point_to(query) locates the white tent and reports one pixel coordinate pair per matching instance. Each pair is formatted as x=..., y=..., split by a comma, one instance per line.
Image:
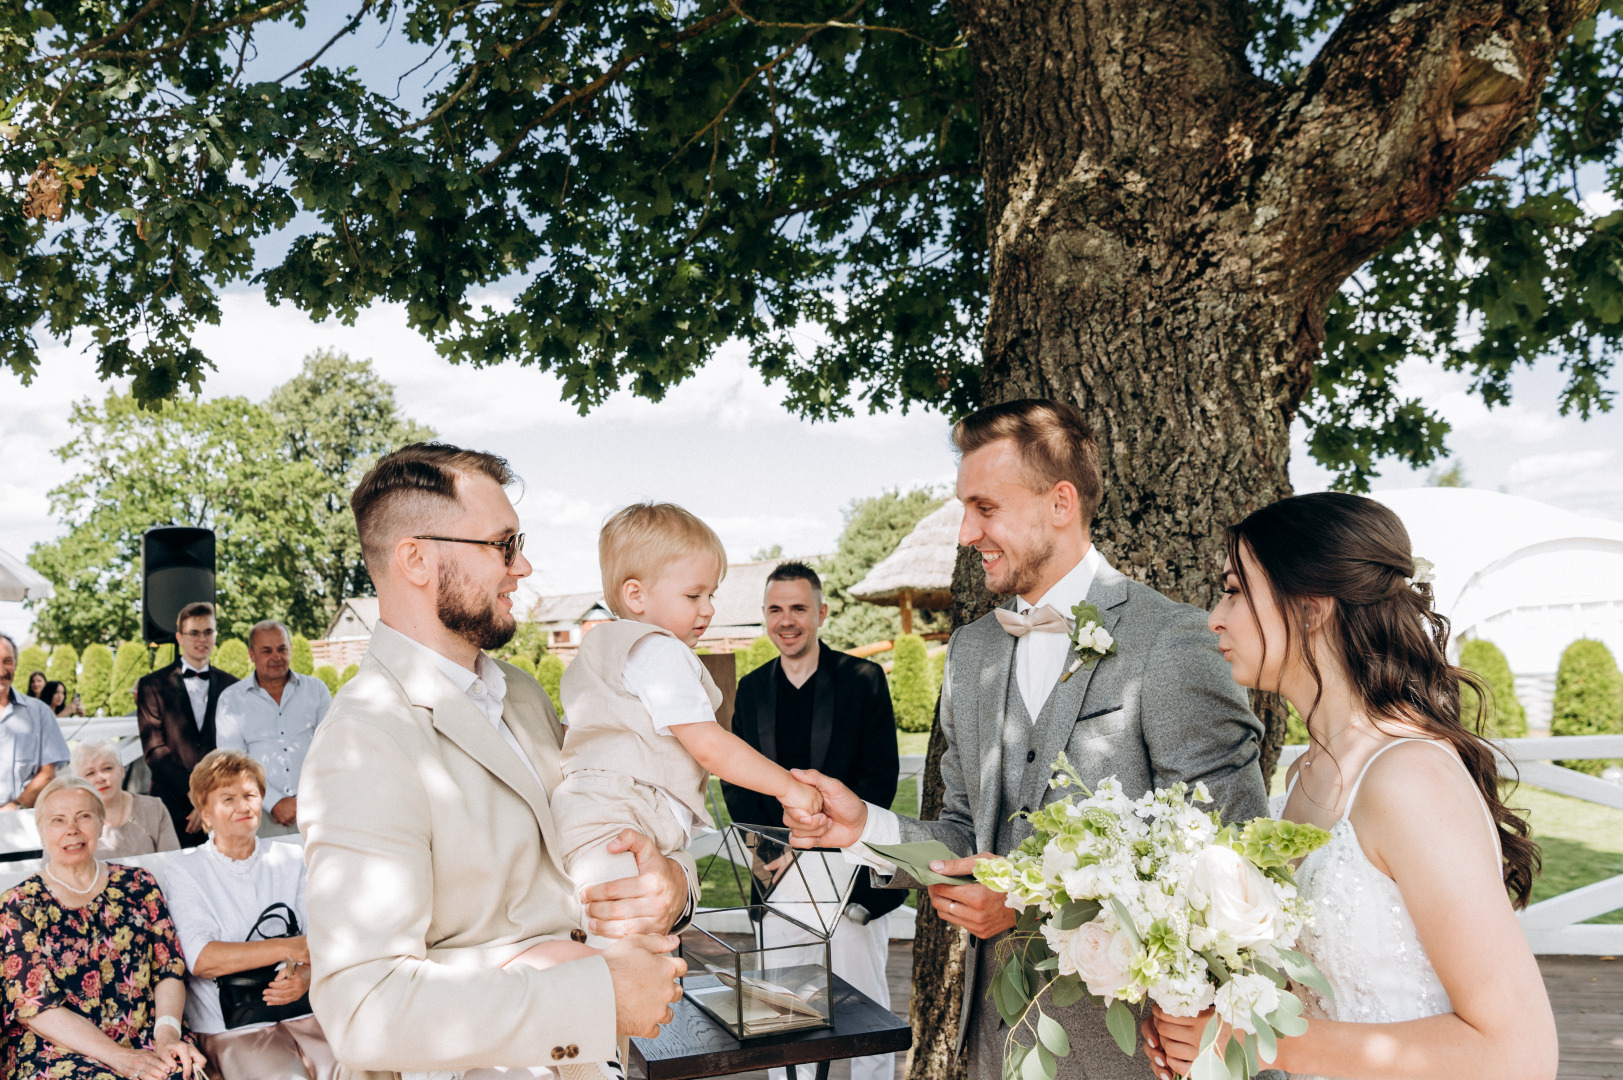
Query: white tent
x=19, y=582
x=1527, y=576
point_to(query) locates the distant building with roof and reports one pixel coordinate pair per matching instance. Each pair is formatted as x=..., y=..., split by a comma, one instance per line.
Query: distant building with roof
x=349, y=633
x=917, y=576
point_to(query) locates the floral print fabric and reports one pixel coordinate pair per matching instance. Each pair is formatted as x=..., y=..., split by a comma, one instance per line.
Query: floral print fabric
x=103, y=961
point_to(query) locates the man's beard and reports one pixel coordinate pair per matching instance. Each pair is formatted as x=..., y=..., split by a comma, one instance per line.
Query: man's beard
x=1027, y=574
x=457, y=603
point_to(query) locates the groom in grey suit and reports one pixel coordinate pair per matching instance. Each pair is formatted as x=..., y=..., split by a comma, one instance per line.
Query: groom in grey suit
x=1160, y=709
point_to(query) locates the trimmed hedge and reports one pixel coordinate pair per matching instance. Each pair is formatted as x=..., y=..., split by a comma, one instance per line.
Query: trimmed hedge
x=760, y=651
x=912, y=693
x=329, y=675
x=64, y=668
x=163, y=656
x=130, y=663
x=233, y=659
x=95, y=678
x=348, y=673
x=549, y=672
x=1503, y=717
x=30, y=660
x=303, y=657
x=1588, y=698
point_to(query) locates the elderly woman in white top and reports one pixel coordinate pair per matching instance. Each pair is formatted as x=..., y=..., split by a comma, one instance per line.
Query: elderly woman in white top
x=136, y=824
x=218, y=892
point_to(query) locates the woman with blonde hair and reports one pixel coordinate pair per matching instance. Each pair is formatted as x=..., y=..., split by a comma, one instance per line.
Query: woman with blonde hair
x=239, y=909
x=135, y=824
x=92, y=973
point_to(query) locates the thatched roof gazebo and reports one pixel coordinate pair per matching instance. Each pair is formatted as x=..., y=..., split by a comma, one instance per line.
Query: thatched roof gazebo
x=918, y=574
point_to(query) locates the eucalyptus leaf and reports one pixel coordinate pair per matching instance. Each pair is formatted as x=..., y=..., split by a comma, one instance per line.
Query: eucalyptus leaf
x=1122, y=1026
x=1075, y=914
x=1126, y=922
x=1305, y=972
x=1234, y=1058
x=1067, y=991
x=1053, y=1036
x=1267, y=1046
x=1032, y=1067
x=1209, y=1065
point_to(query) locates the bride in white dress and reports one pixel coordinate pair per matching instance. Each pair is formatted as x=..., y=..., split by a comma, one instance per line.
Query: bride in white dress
x=1415, y=929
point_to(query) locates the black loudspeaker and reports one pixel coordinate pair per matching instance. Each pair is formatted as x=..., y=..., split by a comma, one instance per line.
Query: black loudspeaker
x=177, y=568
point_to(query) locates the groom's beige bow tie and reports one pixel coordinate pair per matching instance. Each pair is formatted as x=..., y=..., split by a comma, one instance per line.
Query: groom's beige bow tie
x=1039, y=620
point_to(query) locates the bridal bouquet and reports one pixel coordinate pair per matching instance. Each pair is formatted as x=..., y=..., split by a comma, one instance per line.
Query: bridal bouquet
x=1123, y=899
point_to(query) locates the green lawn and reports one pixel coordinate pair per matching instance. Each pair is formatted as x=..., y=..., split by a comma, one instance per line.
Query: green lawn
x=912, y=742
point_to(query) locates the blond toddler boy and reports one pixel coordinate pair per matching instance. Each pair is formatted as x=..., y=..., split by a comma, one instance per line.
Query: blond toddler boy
x=642, y=737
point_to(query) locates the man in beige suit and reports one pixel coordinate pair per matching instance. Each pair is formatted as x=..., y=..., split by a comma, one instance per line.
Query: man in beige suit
x=433, y=860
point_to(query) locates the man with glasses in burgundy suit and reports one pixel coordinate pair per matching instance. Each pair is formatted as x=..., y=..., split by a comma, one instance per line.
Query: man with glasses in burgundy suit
x=176, y=707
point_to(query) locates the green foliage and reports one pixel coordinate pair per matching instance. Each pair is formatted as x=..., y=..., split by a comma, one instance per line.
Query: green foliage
x=303, y=658
x=529, y=642
x=232, y=658
x=132, y=661
x=1296, y=733
x=338, y=415
x=873, y=528
x=760, y=651
x=1504, y=716
x=329, y=675
x=163, y=656
x=1267, y=842
x=938, y=670
x=64, y=668
x=95, y=678
x=273, y=481
x=661, y=178
x=1588, y=697
x=31, y=659
x=549, y=672
x=348, y=673
x=912, y=690
x=1451, y=477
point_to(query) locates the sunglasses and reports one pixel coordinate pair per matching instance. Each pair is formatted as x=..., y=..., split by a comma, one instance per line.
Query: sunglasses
x=509, y=547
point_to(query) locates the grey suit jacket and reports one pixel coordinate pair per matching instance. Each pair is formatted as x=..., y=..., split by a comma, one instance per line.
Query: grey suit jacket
x=1162, y=708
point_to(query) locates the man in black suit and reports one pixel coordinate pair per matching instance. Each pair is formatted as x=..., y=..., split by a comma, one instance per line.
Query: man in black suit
x=814, y=708
x=176, y=707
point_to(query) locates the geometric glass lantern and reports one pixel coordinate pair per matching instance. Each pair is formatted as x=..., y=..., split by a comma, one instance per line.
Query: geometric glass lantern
x=762, y=968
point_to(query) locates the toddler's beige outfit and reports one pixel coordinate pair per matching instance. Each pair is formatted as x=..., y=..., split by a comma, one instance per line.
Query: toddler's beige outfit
x=620, y=769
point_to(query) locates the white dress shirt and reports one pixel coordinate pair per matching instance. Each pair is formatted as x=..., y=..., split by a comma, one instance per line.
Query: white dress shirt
x=213, y=897
x=486, y=687
x=196, y=689
x=275, y=734
x=1039, y=661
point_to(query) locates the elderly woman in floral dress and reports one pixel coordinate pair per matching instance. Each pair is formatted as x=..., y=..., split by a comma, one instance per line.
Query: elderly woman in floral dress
x=91, y=984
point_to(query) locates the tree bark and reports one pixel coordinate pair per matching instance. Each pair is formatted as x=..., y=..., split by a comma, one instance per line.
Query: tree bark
x=1166, y=230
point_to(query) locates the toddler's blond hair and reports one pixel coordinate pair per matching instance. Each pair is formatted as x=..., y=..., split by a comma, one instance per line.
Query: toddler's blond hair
x=642, y=539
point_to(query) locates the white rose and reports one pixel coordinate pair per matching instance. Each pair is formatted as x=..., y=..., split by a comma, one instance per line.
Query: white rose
x=1244, y=994
x=1084, y=637
x=1103, y=959
x=1102, y=639
x=1242, y=904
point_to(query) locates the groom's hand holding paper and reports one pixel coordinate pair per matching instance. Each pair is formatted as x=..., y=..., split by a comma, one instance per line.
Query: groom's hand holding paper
x=974, y=907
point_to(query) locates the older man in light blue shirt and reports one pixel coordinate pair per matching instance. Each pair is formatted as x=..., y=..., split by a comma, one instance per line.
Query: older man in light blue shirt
x=31, y=745
x=271, y=716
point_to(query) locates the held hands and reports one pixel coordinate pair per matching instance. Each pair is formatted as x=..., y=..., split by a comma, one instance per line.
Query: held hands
x=802, y=797
x=839, y=821
x=976, y=908
x=649, y=903
x=645, y=982
x=176, y=1054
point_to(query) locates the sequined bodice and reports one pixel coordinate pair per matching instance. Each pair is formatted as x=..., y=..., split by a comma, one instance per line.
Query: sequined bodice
x=1362, y=937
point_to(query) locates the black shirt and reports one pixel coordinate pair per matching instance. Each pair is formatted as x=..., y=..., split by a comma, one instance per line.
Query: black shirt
x=794, y=721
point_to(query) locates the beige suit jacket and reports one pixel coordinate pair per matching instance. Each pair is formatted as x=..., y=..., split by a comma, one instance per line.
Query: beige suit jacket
x=433, y=860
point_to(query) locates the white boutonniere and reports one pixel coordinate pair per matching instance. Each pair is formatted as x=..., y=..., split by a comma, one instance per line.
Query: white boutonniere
x=1089, y=639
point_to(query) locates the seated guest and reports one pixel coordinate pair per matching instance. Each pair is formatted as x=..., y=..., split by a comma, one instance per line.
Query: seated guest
x=31, y=745
x=135, y=824
x=36, y=684
x=91, y=986
x=219, y=891
x=271, y=716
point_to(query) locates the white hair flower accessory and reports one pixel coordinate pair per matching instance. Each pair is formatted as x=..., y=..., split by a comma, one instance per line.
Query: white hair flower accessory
x=1422, y=573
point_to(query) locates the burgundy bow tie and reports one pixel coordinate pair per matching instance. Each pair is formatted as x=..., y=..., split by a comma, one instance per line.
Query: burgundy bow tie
x=189, y=673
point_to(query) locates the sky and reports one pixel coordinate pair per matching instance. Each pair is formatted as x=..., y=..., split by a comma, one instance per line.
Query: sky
x=721, y=444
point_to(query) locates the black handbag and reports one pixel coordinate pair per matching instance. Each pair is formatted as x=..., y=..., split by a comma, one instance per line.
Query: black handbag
x=242, y=993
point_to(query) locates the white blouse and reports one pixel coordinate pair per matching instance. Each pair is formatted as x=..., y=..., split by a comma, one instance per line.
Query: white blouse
x=213, y=897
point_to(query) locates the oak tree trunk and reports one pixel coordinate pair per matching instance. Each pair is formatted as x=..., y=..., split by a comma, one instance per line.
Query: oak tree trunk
x=1166, y=230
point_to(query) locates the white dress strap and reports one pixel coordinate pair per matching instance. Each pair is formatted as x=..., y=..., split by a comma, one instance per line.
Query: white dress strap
x=1493, y=826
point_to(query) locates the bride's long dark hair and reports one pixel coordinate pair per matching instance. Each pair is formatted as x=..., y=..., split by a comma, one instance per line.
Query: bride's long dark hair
x=1393, y=645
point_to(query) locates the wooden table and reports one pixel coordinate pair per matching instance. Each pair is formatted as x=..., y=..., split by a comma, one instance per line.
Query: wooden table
x=693, y=1045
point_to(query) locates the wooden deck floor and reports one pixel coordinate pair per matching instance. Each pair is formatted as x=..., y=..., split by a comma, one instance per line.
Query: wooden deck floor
x=1586, y=992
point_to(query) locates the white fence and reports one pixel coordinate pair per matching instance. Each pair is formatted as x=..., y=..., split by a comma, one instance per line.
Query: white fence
x=1556, y=926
